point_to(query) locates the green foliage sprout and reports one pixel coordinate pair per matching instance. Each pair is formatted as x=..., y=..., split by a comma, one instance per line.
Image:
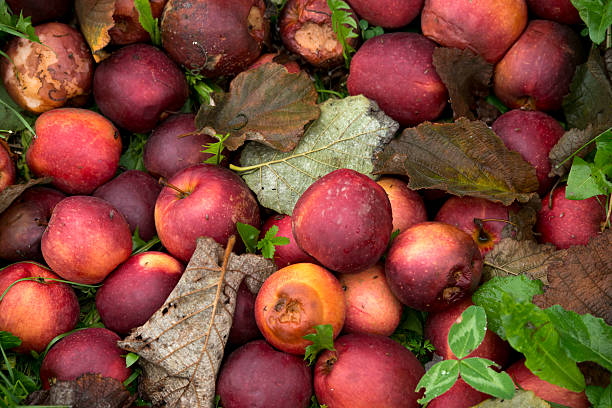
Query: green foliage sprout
x=215, y=149
x=322, y=339
x=267, y=245
x=146, y=20
x=344, y=25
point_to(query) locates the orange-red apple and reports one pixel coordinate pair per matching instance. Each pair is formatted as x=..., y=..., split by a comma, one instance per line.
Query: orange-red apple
x=407, y=206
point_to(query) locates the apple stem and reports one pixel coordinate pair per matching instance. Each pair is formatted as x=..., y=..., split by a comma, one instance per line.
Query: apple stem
x=164, y=182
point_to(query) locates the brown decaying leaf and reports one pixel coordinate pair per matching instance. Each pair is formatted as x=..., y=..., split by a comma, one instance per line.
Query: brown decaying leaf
x=466, y=75
x=96, y=18
x=87, y=391
x=522, y=220
x=570, y=142
x=580, y=278
x=267, y=104
x=182, y=344
x=462, y=158
x=11, y=193
x=512, y=257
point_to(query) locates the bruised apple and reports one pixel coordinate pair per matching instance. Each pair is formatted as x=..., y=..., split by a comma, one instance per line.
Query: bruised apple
x=285, y=255
x=295, y=299
x=344, y=221
x=407, y=206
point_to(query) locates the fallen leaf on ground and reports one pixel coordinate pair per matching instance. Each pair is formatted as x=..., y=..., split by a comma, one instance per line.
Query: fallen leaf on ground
x=570, y=142
x=580, y=279
x=467, y=77
x=462, y=158
x=95, y=19
x=522, y=221
x=346, y=135
x=521, y=399
x=512, y=257
x=12, y=192
x=267, y=105
x=182, y=344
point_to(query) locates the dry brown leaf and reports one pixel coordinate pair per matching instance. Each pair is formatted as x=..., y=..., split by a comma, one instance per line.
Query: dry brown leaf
x=522, y=221
x=570, y=142
x=182, y=344
x=580, y=279
x=87, y=391
x=266, y=104
x=512, y=257
x=96, y=18
x=11, y=193
x=466, y=75
x=462, y=158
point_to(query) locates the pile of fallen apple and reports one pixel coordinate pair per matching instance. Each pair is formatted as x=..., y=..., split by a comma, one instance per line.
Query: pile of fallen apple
x=343, y=266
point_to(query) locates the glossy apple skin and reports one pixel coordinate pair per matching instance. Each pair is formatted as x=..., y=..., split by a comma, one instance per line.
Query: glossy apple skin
x=569, y=222
x=24, y=222
x=285, y=255
x=561, y=11
x=295, y=299
x=487, y=27
x=134, y=194
x=387, y=13
x=136, y=289
x=33, y=311
x=525, y=379
x=223, y=37
x=432, y=265
x=216, y=200
x=127, y=28
x=532, y=134
x=79, y=148
x=407, y=206
x=244, y=327
x=41, y=10
x=366, y=371
x=396, y=70
x=7, y=167
x=137, y=85
x=87, y=238
x=168, y=151
x=371, y=307
x=538, y=69
x=256, y=375
x=344, y=221
x=92, y=350
x=460, y=395
x=438, y=325
x=461, y=212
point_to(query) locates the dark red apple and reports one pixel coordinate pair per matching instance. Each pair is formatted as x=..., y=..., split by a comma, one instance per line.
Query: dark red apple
x=407, y=205
x=344, y=221
x=92, y=350
x=244, y=327
x=561, y=11
x=137, y=85
x=291, y=253
x=41, y=10
x=433, y=265
x=202, y=200
x=7, y=167
x=134, y=194
x=367, y=371
x=531, y=134
x=461, y=395
x=387, y=13
x=537, y=70
x=256, y=375
x=127, y=28
x=396, y=70
x=568, y=222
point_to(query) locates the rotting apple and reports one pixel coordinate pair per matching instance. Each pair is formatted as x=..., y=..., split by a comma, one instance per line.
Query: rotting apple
x=285, y=255
x=407, y=206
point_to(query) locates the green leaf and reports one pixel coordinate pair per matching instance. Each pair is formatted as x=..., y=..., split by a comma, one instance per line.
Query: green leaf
x=344, y=25
x=581, y=182
x=132, y=158
x=267, y=245
x=146, y=20
x=597, y=15
x=599, y=397
x=438, y=379
x=489, y=296
x=467, y=334
x=323, y=339
x=603, y=155
x=409, y=333
x=8, y=340
x=477, y=372
x=19, y=26
x=139, y=245
x=215, y=149
x=583, y=337
x=249, y=235
x=531, y=332
x=345, y=136
x=130, y=359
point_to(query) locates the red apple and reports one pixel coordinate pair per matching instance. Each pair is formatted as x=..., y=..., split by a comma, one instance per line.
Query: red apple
x=561, y=11
x=127, y=28
x=86, y=239
x=285, y=255
x=432, y=265
x=407, y=206
x=202, y=200
x=7, y=167
x=244, y=327
x=292, y=66
x=41, y=10
x=460, y=395
x=36, y=312
x=387, y=13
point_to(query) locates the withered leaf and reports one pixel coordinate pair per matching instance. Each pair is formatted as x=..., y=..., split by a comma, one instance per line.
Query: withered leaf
x=87, y=391
x=466, y=75
x=182, y=344
x=512, y=257
x=580, y=278
x=522, y=221
x=11, y=193
x=266, y=104
x=570, y=142
x=521, y=399
x=96, y=18
x=462, y=158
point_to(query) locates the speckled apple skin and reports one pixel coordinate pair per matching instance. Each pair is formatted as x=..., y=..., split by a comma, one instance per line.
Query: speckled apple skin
x=432, y=265
x=487, y=27
x=86, y=239
x=344, y=221
x=387, y=13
